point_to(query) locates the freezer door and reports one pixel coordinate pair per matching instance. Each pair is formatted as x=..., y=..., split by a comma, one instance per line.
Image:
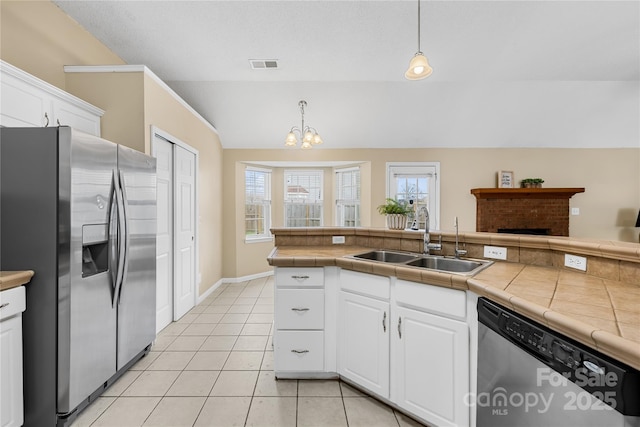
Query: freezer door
x=86, y=312
x=137, y=295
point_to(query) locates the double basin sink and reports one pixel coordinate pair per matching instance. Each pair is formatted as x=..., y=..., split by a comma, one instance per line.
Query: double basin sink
x=462, y=266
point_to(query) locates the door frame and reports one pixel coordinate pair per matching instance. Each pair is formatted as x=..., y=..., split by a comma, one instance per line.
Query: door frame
x=159, y=133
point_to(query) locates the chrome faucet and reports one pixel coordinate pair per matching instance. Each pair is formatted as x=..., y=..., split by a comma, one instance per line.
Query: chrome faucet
x=457, y=251
x=427, y=245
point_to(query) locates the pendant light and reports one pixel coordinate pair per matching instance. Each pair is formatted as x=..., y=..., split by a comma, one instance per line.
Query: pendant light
x=419, y=67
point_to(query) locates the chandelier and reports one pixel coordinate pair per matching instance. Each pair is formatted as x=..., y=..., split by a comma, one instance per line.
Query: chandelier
x=419, y=67
x=307, y=134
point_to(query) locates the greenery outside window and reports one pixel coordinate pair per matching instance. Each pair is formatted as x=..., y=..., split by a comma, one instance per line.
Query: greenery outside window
x=257, y=211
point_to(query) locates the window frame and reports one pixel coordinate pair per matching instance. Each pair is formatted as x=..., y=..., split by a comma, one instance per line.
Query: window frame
x=266, y=203
x=339, y=174
x=430, y=170
x=319, y=202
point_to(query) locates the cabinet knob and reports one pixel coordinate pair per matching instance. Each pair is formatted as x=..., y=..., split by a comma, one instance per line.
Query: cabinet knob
x=299, y=351
x=46, y=116
x=384, y=322
x=400, y=327
x=300, y=309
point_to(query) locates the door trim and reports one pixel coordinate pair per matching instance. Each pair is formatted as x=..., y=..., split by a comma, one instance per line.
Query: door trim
x=159, y=133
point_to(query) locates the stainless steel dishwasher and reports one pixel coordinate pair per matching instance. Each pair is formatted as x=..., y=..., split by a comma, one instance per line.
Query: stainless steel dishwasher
x=529, y=375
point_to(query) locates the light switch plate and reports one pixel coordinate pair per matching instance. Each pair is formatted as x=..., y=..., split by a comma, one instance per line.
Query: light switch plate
x=575, y=261
x=337, y=240
x=495, y=252
x=575, y=211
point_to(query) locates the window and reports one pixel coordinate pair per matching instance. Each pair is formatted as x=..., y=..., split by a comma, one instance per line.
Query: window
x=257, y=210
x=348, y=197
x=303, y=198
x=417, y=184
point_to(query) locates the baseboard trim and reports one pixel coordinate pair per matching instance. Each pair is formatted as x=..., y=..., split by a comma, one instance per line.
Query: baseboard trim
x=216, y=285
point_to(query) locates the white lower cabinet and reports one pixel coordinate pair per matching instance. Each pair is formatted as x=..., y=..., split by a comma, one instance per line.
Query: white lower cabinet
x=298, y=339
x=406, y=342
x=299, y=351
x=430, y=368
x=12, y=304
x=363, y=347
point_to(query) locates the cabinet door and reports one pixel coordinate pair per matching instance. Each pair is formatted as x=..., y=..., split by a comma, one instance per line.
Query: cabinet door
x=431, y=366
x=23, y=105
x=11, y=406
x=363, y=350
x=67, y=114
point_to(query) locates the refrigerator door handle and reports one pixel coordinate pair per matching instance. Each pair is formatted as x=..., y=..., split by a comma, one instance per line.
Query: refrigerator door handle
x=121, y=240
x=113, y=236
x=127, y=237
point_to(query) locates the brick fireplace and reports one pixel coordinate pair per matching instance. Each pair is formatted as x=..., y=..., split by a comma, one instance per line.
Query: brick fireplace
x=524, y=210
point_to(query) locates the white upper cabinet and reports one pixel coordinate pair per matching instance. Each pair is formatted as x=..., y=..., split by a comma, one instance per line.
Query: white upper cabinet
x=30, y=102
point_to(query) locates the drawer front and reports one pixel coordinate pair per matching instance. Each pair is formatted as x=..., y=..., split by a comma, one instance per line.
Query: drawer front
x=299, y=350
x=12, y=302
x=296, y=277
x=365, y=284
x=433, y=299
x=299, y=309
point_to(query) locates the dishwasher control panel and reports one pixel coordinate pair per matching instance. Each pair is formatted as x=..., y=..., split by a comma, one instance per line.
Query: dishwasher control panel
x=536, y=339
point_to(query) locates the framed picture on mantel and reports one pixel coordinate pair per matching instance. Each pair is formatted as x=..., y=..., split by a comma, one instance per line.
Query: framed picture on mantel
x=505, y=179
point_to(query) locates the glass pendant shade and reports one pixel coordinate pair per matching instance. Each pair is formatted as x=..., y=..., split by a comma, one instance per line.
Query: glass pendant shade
x=419, y=67
x=305, y=144
x=291, y=140
x=317, y=139
x=308, y=137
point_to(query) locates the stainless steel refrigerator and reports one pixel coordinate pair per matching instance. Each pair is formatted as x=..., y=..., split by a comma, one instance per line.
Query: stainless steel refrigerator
x=81, y=212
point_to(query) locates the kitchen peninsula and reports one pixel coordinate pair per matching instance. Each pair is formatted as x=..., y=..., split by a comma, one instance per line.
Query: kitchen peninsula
x=387, y=327
x=532, y=281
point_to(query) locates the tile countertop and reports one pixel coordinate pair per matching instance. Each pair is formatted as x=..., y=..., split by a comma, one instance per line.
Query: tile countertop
x=12, y=279
x=602, y=314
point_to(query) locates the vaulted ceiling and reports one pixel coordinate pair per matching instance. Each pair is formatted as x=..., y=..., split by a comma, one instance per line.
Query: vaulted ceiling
x=506, y=73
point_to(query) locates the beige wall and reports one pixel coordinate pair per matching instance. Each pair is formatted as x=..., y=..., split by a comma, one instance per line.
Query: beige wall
x=39, y=38
x=163, y=111
x=608, y=207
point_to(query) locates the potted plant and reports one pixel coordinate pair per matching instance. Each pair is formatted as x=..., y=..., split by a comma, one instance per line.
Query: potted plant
x=396, y=213
x=532, y=182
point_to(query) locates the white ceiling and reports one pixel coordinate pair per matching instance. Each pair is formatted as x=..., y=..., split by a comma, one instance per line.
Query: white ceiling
x=506, y=73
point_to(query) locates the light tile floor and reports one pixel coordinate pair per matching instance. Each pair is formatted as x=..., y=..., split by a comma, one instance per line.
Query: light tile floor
x=214, y=367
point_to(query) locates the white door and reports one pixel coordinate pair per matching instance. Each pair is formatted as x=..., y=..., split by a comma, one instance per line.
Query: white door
x=363, y=352
x=431, y=366
x=185, y=287
x=164, y=243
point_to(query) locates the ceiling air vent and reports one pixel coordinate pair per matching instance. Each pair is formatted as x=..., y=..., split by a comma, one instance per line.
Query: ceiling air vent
x=264, y=64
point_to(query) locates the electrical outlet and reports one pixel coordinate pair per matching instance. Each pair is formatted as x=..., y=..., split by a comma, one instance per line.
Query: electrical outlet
x=575, y=211
x=575, y=261
x=337, y=240
x=495, y=252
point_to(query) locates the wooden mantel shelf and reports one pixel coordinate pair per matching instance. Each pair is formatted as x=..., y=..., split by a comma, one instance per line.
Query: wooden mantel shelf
x=522, y=193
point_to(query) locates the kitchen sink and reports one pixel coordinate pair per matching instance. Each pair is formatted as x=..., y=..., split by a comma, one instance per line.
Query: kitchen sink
x=463, y=266
x=450, y=265
x=387, y=256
